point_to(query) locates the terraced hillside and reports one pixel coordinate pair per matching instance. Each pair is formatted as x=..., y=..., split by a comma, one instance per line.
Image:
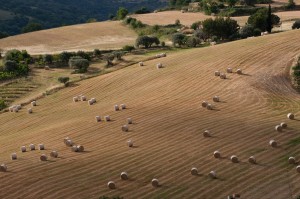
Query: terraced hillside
x=165, y=106
x=101, y=35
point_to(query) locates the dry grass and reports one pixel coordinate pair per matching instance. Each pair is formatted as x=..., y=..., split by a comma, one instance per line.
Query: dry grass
x=169, y=17
x=167, y=147
x=102, y=35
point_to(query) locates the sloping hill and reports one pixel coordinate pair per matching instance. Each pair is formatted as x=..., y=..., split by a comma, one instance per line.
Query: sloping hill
x=102, y=35
x=165, y=106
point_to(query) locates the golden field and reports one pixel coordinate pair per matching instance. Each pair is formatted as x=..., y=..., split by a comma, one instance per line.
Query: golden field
x=165, y=106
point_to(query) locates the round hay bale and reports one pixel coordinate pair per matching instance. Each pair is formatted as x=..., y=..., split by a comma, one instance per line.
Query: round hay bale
x=116, y=107
x=124, y=176
x=32, y=147
x=3, y=168
x=273, y=143
x=19, y=107
x=75, y=99
x=66, y=139
x=125, y=128
x=33, y=103
x=163, y=54
x=155, y=182
x=283, y=125
x=216, y=99
x=239, y=71
x=182, y=11
x=223, y=76
x=298, y=168
x=80, y=148
x=111, y=185
x=234, y=159
x=13, y=156
x=291, y=116
x=194, y=171
x=54, y=154
x=130, y=143
x=292, y=160
x=90, y=102
x=129, y=121
x=11, y=109
x=74, y=148
x=157, y=55
x=107, y=118
x=217, y=154
x=141, y=64
x=159, y=65
x=23, y=149
x=206, y=133
x=15, y=110
x=209, y=107
x=83, y=98
x=98, y=119
x=123, y=106
x=69, y=143
x=229, y=70
x=43, y=157
x=93, y=100
x=278, y=128
x=47, y=68
x=212, y=174
x=204, y=104
x=252, y=160
x=41, y=147
x=217, y=73
x=29, y=110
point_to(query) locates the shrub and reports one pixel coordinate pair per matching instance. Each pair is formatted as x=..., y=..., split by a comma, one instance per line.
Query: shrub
x=259, y=19
x=257, y=32
x=2, y=104
x=97, y=53
x=10, y=66
x=246, y=31
x=296, y=25
x=201, y=34
x=65, y=56
x=193, y=41
x=79, y=64
x=291, y=5
x=118, y=55
x=163, y=44
x=121, y=13
x=178, y=38
x=196, y=25
x=146, y=41
x=64, y=80
x=48, y=59
x=143, y=10
x=17, y=56
x=84, y=55
x=128, y=48
x=177, y=22
x=220, y=27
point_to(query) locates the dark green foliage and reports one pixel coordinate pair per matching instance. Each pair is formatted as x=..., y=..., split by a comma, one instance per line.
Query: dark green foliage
x=79, y=64
x=220, y=27
x=257, y=32
x=250, y=2
x=296, y=25
x=143, y=10
x=97, y=53
x=296, y=72
x=118, y=55
x=263, y=1
x=179, y=3
x=196, y=25
x=146, y=41
x=246, y=31
x=65, y=56
x=48, y=59
x=209, y=7
x=133, y=23
x=291, y=5
x=201, y=34
x=109, y=59
x=55, y=13
x=31, y=27
x=18, y=56
x=177, y=22
x=10, y=66
x=64, y=80
x=2, y=104
x=261, y=20
x=193, y=41
x=121, y=13
x=231, y=3
x=178, y=39
x=3, y=35
x=128, y=48
x=84, y=55
x=238, y=11
x=269, y=20
x=163, y=44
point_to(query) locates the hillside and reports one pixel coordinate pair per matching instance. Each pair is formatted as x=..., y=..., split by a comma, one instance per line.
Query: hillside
x=101, y=35
x=165, y=106
x=54, y=13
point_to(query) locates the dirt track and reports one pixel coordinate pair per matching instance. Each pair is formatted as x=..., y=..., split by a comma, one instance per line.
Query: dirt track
x=165, y=106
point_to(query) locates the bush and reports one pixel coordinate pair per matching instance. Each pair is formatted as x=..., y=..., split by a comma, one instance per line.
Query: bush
x=10, y=66
x=17, y=56
x=121, y=13
x=196, y=25
x=296, y=25
x=177, y=22
x=48, y=59
x=178, y=38
x=163, y=44
x=291, y=5
x=64, y=80
x=97, y=53
x=257, y=32
x=65, y=56
x=79, y=64
x=146, y=41
x=259, y=19
x=246, y=31
x=220, y=27
x=2, y=104
x=193, y=42
x=118, y=55
x=83, y=55
x=128, y=48
x=201, y=34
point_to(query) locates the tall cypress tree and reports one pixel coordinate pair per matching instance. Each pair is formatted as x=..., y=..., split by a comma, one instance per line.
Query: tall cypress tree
x=269, y=20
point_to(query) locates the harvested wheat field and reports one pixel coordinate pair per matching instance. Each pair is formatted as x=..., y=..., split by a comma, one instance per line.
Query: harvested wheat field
x=169, y=17
x=101, y=35
x=168, y=122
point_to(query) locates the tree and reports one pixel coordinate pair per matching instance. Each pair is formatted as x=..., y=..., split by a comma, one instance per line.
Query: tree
x=48, y=59
x=97, y=53
x=178, y=38
x=246, y=31
x=260, y=19
x=31, y=27
x=10, y=66
x=193, y=41
x=201, y=34
x=2, y=104
x=291, y=5
x=109, y=58
x=64, y=80
x=128, y=48
x=79, y=64
x=84, y=55
x=296, y=25
x=269, y=20
x=118, y=55
x=64, y=57
x=121, y=13
x=146, y=41
x=220, y=27
x=231, y=3
x=250, y=2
